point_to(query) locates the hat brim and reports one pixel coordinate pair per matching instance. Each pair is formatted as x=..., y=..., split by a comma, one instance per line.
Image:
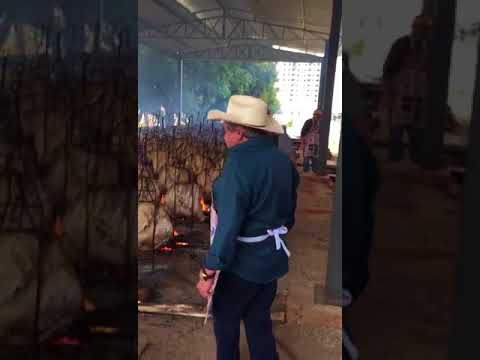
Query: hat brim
x=272, y=126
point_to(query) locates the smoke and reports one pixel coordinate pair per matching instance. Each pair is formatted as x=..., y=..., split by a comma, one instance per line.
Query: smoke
x=115, y=12
x=24, y=29
x=157, y=81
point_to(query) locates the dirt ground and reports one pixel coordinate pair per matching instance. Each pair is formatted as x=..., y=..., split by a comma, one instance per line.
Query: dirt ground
x=405, y=311
x=312, y=330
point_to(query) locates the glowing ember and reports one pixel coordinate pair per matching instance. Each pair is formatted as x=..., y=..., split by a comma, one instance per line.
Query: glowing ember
x=182, y=243
x=166, y=249
x=88, y=305
x=103, y=330
x=205, y=207
x=66, y=341
x=58, y=227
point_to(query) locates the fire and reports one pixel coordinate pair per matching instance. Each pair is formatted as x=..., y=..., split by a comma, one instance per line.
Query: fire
x=166, y=249
x=180, y=243
x=163, y=200
x=205, y=207
x=65, y=340
x=58, y=227
x=175, y=233
x=88, y=305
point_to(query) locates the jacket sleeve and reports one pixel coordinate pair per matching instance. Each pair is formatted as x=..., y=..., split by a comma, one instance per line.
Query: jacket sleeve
x=231, y=203
x=357, y=108
x=295, y=183
x=356, y=217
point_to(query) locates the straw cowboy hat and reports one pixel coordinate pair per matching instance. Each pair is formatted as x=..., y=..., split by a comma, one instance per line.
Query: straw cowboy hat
x=247, y=111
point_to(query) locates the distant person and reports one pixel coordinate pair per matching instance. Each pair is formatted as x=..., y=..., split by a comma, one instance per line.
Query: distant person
x=405, y=82
x=310, y=139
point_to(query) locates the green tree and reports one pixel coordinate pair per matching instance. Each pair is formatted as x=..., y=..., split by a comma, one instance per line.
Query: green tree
x=206, y=85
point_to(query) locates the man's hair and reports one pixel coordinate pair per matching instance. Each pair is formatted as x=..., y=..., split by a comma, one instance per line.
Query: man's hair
x=423, y=19
x=247, y=131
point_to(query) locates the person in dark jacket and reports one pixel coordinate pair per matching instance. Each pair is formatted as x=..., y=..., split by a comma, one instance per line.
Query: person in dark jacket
x=255, y=199
x=405, y=87
x=309, y=139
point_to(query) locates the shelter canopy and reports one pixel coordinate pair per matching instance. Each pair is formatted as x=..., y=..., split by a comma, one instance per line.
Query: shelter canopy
x=190, y=26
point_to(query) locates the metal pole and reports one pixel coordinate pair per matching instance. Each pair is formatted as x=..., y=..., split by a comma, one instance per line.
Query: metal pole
x=100, y=22
x=334, y=266
x=320, y=162
x=323, y=74
x=463, y=341
x=438, y=81
x=180, y=87
x=100, y=12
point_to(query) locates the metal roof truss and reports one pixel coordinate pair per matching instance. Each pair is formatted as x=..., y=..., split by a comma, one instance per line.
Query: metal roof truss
x=228, y=28
x=248, y=53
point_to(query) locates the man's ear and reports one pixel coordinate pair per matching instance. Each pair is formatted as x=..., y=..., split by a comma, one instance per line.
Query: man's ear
x=240, y=132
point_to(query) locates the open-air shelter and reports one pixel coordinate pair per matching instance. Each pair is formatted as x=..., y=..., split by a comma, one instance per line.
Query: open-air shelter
x=255, y=31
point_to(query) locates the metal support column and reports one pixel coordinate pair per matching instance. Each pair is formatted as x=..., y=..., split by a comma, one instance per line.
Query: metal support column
x=438, y=81
x=334, y=266
x=101, y=16
x=320, y=162
x=101, y=11
x=180, y=88
x=323, y=75
x=463, y=341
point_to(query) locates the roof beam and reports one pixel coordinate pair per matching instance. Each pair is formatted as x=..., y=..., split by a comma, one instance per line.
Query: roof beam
x=220, y=3
x=249, y=52
x=151, y=26
x=170, y=9
x=228, y=28
x=185, y=15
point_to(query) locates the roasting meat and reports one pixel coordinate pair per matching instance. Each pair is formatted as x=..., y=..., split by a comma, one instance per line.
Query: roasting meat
x=148, y=219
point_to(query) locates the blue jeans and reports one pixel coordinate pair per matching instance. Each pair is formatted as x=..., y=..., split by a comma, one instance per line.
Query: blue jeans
x=234, y=300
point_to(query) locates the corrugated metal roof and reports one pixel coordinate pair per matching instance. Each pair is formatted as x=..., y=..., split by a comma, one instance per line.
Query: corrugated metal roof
x=253, y=17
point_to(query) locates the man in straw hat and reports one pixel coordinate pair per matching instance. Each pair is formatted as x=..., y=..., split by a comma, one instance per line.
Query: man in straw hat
x=255, y=198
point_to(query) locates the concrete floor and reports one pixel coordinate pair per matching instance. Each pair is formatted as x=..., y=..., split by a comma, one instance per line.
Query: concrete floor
x=405, y=311
x=312, y=330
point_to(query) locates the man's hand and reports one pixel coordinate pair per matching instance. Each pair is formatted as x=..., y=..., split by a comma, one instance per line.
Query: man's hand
x=204, y=288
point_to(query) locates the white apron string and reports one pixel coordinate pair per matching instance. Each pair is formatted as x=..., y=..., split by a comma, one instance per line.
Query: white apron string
x=279, y=243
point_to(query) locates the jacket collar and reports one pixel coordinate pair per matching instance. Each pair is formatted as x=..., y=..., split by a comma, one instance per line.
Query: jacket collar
x=255, y=143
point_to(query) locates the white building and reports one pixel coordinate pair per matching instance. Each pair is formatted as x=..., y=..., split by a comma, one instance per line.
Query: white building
x=298, y=87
